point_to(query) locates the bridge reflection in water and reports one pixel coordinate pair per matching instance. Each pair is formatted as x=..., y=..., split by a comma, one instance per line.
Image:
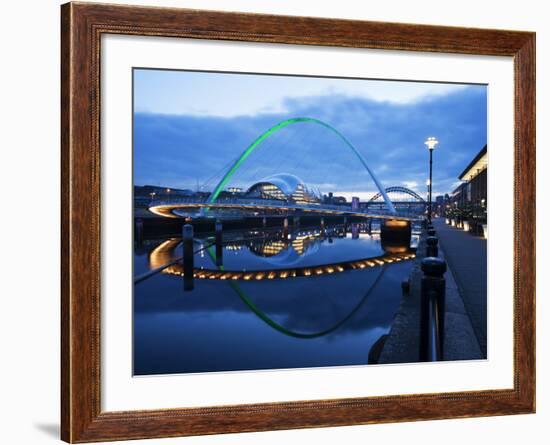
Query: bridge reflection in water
x=310, y=298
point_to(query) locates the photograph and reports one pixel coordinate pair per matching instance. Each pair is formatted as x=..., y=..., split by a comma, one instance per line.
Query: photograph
x=293, y=221
x=274, y=222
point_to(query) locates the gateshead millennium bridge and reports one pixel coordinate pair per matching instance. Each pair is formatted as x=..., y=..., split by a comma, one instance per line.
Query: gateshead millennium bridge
x=283, y=193
x=179, y=208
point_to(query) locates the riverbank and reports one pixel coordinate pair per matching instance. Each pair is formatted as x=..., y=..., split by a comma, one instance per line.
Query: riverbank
x=403, y=342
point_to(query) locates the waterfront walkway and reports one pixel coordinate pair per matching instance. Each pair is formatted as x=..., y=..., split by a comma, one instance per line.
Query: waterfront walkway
x=463, y=327
x=466, y=256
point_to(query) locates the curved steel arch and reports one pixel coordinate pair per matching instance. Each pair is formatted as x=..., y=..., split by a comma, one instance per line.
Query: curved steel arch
x=214, y=195
x=399, y=189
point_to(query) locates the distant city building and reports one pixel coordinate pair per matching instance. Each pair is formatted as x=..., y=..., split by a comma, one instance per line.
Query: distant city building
x=144, y=194
x=439, y=206
x=354, y=203
x=331, y=199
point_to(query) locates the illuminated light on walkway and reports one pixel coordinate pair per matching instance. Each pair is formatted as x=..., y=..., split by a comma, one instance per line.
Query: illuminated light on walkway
x=260, y=275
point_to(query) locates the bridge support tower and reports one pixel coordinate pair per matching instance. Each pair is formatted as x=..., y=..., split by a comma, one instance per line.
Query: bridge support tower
x=394, y=232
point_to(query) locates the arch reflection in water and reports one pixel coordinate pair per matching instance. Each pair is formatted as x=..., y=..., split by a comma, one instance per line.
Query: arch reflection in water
x=213, y=329
x=330, y=319
x=278, y=327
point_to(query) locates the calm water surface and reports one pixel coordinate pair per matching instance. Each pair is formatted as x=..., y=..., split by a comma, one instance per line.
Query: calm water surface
x=230, y=325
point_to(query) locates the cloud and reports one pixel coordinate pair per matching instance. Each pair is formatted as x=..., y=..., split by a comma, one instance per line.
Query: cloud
x=179, y=150
x=207, y=94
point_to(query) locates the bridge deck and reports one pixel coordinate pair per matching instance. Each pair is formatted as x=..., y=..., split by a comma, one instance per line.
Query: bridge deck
x=167, y=209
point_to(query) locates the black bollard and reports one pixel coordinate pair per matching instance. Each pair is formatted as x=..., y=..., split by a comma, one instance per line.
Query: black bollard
x=432, y=309
x=139, y=231
x=405, y=286
x=188, y=258
x=219, y=243
x=264, y=221
x=431, y=246
x=285, y=227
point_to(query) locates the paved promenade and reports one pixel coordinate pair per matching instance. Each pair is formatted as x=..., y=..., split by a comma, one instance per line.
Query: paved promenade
x=402, y=344
x=466, y=256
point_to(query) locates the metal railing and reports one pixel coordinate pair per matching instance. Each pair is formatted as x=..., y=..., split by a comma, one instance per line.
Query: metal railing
x=432, y=302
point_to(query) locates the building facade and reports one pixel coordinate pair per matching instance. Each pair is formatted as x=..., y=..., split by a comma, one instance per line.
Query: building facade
x=468, y=202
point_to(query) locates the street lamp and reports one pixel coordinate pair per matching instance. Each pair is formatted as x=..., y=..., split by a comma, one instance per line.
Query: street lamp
x=431, y=142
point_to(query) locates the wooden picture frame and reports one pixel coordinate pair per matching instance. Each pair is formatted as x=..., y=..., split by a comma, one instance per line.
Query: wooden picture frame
x=82, y=25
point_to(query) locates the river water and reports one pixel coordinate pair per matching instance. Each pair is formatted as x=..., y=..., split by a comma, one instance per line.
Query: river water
x=330, y=319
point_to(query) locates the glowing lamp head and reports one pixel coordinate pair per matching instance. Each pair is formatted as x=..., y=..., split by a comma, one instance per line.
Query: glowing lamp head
x=431, y=142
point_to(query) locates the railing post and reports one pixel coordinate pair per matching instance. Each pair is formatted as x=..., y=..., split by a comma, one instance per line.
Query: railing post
x=431, y=246
x=432, y=309
x=188, y=258
x=219, y=243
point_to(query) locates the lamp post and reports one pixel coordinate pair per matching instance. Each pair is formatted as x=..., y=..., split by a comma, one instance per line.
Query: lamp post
x=431, y=142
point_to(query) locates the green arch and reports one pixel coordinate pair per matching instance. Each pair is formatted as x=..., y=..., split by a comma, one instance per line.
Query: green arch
x=223, y=182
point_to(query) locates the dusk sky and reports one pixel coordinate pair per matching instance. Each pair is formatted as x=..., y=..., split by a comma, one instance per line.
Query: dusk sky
x=190, y=126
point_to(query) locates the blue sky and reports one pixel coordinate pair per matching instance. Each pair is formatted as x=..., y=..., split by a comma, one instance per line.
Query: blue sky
x=188, y=126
